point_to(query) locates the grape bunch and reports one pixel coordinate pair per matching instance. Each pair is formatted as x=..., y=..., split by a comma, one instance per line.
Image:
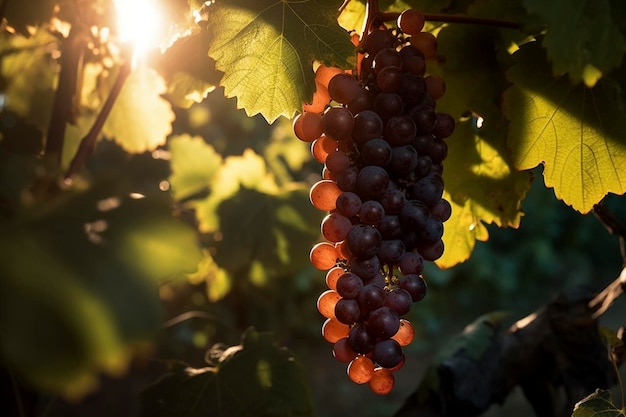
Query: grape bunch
x=382, y=144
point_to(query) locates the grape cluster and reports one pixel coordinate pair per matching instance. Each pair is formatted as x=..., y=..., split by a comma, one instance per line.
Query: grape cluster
x=382, y=144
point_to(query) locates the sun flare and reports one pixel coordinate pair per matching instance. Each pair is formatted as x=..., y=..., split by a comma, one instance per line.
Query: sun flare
x=139, y=23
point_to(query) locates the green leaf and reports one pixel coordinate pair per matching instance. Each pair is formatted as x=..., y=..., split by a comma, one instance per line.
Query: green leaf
x=189, y=72
x=481, y=183
x=582, y=38
x=256, y=378
x=78, y=284
x=577, y=133
x=29, y=74
x=598, y=404
x=194, y=163
x=140, y=119
x=246, y=171
x=266, y=48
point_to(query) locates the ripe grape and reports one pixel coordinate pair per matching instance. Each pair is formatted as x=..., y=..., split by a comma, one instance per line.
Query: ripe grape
x=323, y=195
x=326, y=303
x=323, y=256
x=411, y=21
x=361, y=370
x=343, y=352
x=349, y=285
x=382, y=381
x=332, y=330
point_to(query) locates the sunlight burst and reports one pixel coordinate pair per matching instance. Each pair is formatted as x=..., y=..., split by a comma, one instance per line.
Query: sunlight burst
x=139, y=23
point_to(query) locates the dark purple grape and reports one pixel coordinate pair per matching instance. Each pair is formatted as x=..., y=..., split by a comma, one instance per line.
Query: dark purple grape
x=349, y=284
x=422, y=143
x=390, y=227
x=414, y=65
x=428, y=190
x=376, y=152
x=438, y=151
x=424, y=166
x=348, y=204
x=347, y=179
x=360, y=340
x=383, y=323
x=413, y=89
x=371, y=212
x=347, y=311
x=410, y=238
x=337, y=161
x=343, y=88
x=390, y=79
x=387, y=57
x=400, y=130
x=392, y=201
x=338, y=123
x=367, y=125
x=414, y=214
x=363, y=101
x=403, y=160
x=433, y=251
x=444, y=127
x=371, y=297
x=378, y=40
x=411, y=263
x=410, y=50
x=433, y=230
x=414, y=285
x=391, y=251
x=388, y=105
x=442, y=210
x=388, y=353
x=364, y=241
x=371, y=182
x=365, y=268
x=378, y=280
x=399, y=300
x=424, y=117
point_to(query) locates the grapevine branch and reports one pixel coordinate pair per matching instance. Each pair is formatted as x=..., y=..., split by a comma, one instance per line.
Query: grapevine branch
x=71, y=59
x=375, y=17
x=88, y=143
x=557, y=346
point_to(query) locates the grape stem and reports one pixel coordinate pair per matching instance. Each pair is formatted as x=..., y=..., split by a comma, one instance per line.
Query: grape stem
x=374, y=17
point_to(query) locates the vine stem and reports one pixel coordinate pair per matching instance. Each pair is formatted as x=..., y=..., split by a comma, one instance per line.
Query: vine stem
x=88, y=143
x=62, y=108
x=375, y=17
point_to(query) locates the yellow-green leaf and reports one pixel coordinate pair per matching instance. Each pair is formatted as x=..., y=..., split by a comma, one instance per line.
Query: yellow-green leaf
x=480, y=181
x=193, y=164
x=266, y=49
x=140, y=119
x=577, y=133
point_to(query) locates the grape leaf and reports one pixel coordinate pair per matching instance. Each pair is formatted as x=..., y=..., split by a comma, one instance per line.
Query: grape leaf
x=577, y=133
x=480, y=181
x=29, y=74
x=266, y=48
x=245, y=171
x=582, y=37
x=262, y=228
x=79, y=284
x=256, y=378
x=140, y=119
x=189, y=72
x=598, y=404
x=193, y=164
